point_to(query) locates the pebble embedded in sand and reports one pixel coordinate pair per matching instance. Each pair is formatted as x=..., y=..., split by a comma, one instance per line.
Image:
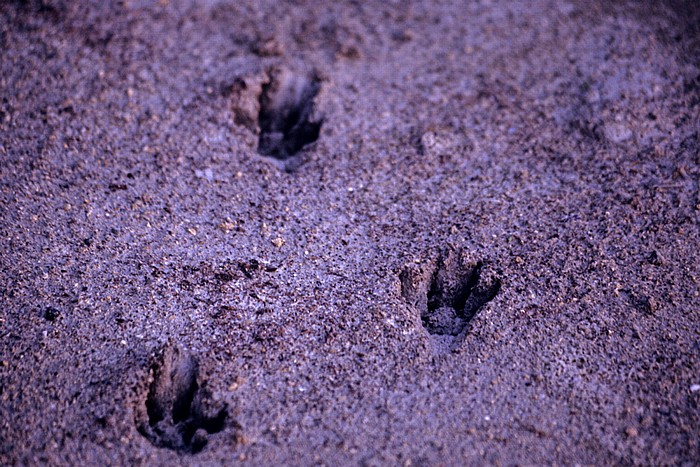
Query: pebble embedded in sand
x=227, y=226
x=618, y=132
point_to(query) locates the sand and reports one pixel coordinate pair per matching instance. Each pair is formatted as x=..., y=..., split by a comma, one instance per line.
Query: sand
x=371, y=233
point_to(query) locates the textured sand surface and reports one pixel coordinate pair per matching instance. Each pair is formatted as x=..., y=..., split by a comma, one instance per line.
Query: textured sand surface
x=450, y=232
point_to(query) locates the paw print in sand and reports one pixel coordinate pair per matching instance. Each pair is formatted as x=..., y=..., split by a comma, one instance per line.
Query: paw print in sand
x=447, y=292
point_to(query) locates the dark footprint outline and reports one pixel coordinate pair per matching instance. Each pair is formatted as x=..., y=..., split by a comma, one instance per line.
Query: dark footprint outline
x=286, y=119
x=179, y=414
x=448, y=293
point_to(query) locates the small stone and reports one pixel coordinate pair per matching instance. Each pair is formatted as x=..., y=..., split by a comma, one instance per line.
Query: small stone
x=269, y=48
x=632, y=432
x=278, y=242
x=227, y=226
x=428, y=141
x=618, y=132
x=192, y=230
x=207, y=174
x=647, y=305
x=695, y=388
x=652, y=305
x=438, y=143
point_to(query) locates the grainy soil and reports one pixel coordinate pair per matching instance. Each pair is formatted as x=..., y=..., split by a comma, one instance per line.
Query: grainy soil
x=377, y=233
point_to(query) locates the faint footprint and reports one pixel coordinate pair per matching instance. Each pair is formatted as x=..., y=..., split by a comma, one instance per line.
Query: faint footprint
x=447, y=294
x=180, y=414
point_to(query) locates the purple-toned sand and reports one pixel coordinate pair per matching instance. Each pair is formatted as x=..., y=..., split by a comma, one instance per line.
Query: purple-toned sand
x=349, y=233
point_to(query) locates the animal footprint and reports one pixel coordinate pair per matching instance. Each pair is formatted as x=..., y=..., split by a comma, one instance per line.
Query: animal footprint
x=286, y=119
x=448, y=293
x=280, y=106
x=179, y=413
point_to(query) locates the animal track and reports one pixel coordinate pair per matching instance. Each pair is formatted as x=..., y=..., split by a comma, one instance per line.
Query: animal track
x=278, y=105
x=179, y=413
x=286, y=117
x=448, y=293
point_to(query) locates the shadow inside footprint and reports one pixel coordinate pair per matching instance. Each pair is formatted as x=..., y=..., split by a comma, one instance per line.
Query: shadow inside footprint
x=448, y=293
x=180, y=415
x=286, y=119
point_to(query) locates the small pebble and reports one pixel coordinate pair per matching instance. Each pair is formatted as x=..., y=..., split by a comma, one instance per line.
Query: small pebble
x=207, y=174
x=695, y=388
x=270, y=48
x=618, y=132
x=227, y=226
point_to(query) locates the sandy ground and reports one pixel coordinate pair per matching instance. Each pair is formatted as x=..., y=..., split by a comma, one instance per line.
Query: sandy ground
x=392, y=232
